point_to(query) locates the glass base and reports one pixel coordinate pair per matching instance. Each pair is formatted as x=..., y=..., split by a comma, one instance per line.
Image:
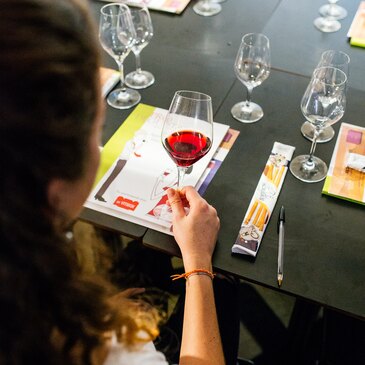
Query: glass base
x=327, y=25
x=207, y=8
x=123, y=98
x=139, y=80
x=308, y=172
x=325, y=135
x=247, y=114
x=334, y=11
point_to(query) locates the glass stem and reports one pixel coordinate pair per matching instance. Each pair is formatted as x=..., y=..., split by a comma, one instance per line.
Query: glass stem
x=313, y=146
x=121, y=71
x=248, y=97
x=180, y=176
x=330, y=11
x=206, y=5
x=138, y=62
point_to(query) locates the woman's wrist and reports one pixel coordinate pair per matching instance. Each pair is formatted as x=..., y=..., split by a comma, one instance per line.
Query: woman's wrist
x=200, y=277
x=193, y=263
x=187, y=274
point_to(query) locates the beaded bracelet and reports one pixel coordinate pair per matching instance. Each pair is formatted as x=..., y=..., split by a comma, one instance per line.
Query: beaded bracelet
x=186, y=275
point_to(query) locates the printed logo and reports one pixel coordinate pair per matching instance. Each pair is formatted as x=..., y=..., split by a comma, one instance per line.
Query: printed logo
x=125, y=203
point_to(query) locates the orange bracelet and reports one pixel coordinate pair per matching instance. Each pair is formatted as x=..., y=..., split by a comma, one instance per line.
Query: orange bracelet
x=186, y=275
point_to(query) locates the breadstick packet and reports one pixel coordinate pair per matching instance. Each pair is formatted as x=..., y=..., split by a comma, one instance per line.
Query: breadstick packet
x=263, y=201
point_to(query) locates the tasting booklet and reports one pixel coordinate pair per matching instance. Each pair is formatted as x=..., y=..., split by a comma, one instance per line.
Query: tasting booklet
x=169, y=6
x=356, y=32
x=108, y=78
x=136, y=171
x=346, y=173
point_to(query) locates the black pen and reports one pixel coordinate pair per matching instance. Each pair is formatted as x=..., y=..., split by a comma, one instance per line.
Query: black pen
x=281, y=229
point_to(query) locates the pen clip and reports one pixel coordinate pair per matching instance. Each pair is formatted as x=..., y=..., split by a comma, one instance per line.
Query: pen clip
x=281, y=217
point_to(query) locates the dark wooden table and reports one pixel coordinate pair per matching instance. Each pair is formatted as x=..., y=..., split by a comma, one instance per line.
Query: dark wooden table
x=324, y=252
x=187, y=52
x=324, y=245
x=297, y=45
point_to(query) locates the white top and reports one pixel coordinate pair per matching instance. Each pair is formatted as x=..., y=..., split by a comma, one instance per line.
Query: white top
x=143, y=355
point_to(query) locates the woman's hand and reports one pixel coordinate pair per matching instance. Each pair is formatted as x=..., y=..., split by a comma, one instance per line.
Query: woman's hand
x=195, y=232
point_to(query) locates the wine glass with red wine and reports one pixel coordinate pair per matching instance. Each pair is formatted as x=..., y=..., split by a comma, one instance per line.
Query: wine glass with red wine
x=187, y=133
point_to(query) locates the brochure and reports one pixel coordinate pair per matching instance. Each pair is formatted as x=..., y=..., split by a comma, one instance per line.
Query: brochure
x=346, y=173
x=356, y=33
x=136, y=171
x=108, y=78
x=170, y=6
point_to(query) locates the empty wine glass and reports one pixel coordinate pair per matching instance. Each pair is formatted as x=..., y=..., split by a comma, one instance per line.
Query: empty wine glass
x=117, y=36
x=187, y=133
x=333, y=10
x=252, y=67
x=327, y=23
x=323, y=104
x=207, y=7
x=337, y=59
x=140, y=79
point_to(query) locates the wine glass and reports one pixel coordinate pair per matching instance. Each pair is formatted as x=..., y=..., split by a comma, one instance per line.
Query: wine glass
x=333, y=10
x=327, y=23
x=187, y=133
x=117, y=36
x=252, y=67
x=323, y=104
x=337, y=59
x=140, y=79
x=207, y=7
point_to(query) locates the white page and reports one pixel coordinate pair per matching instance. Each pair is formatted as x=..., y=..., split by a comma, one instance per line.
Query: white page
x=138, y=191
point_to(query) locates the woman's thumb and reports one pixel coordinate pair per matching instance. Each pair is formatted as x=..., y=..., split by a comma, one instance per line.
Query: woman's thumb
x=175, y=203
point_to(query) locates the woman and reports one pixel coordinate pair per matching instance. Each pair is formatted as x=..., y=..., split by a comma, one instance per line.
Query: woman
x=51, y=117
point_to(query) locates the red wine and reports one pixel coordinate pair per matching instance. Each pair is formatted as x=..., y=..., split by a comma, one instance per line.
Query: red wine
x=187, y=147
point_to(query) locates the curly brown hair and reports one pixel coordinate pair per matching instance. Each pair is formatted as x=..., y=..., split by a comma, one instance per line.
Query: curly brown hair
x=49, y=93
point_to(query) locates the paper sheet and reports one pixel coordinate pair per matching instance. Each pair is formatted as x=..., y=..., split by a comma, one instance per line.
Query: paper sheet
x=343, y=182
x=134, y=186
x=170, y=6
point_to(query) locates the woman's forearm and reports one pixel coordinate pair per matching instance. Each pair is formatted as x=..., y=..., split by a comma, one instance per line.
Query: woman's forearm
x=201, y=342
x=196, y=234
